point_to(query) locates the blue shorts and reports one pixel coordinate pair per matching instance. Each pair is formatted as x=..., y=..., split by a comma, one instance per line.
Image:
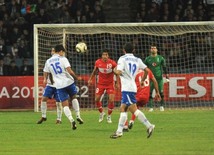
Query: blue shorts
x=64, y=93
x=51, y=92
x=128, y=98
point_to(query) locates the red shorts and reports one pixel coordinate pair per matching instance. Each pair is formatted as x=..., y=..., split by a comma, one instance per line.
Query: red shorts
x=142, y=99
x=102, y=90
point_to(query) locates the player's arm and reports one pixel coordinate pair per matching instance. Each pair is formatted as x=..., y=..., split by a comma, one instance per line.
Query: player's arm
x=117, y=79
x=51, y=78
x=71, y=72
x=92, y=75
x=146, y=70
x=45, y=73
x=45, y=76
x=117, y=72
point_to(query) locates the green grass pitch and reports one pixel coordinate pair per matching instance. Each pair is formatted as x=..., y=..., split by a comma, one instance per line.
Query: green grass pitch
x=177, y=132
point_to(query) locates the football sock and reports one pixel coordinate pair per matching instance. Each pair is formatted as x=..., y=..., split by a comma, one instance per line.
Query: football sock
x=110, y=108
x=99, y=106
x=43, y=108
x=67, y=112
x=133, y=117
x=142, y=118
x=59, y=110
x=75, y=105
x=122, y=120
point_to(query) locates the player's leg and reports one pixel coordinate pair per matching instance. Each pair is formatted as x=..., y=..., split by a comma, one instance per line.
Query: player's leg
x=129, y=125
x=98, y=100
x=63, y=96
x=75, y=103
x=58, y=108
x=111, y=96
x=59, y=112
x=127, y=99
x=68, y=114
x=142, y=118
x=121, y=122
x=131, y=122
x=126, y=128
x=151, y=102
x=48, y=93
x=160, y=87
x=43, y=110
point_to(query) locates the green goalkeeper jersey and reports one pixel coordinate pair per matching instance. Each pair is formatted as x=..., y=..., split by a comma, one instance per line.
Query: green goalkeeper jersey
x=156, y=64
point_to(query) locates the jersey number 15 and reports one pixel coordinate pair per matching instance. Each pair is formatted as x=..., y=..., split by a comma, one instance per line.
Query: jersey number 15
x=57, y=69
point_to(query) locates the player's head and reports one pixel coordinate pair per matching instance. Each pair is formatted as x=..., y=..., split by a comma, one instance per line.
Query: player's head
x=52, y=51
x=153, y=49
x=128, y=48
x=105, y=55
x=60, y=49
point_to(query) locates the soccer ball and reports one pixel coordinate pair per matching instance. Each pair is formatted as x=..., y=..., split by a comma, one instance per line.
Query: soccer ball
x=81, y=47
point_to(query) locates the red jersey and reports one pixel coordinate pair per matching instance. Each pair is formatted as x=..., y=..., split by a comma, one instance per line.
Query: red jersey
x=143, y=92
x=105, y=72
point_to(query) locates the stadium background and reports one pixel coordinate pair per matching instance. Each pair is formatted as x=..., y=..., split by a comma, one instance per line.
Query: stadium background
x=17, y=18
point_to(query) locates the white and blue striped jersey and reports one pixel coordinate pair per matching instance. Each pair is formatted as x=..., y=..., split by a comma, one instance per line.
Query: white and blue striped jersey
x=56, y=65
x=129, y=65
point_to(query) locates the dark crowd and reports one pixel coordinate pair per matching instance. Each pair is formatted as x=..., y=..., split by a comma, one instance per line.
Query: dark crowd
x=171, y=10
x=18, y=16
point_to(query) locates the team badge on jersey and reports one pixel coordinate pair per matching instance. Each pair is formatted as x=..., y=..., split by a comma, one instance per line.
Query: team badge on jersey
x=154, y=64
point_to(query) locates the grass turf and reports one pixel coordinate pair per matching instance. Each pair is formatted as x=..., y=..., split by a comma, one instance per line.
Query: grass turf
x=177, y=132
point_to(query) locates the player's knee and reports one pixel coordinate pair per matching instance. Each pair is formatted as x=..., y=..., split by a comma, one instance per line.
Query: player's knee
x=73, y=97
x=110, y=100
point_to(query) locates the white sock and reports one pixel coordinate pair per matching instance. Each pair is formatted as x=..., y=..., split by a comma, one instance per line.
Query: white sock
x=122, y=120
x=59, y=110
x=142, y=118
x=75, y=105
x=43, y=108
x=67, y=112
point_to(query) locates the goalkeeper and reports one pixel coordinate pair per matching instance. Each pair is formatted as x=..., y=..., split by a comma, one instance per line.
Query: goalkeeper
x=157, y=64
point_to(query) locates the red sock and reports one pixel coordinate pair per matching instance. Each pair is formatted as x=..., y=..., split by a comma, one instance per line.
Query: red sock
x=133, y=117
x=110, y=108
x=99, y=106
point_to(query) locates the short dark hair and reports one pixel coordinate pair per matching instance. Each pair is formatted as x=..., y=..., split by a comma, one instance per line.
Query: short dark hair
x=129, y=47
x=104, y=51
x=59, y=48
x=153, y=44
